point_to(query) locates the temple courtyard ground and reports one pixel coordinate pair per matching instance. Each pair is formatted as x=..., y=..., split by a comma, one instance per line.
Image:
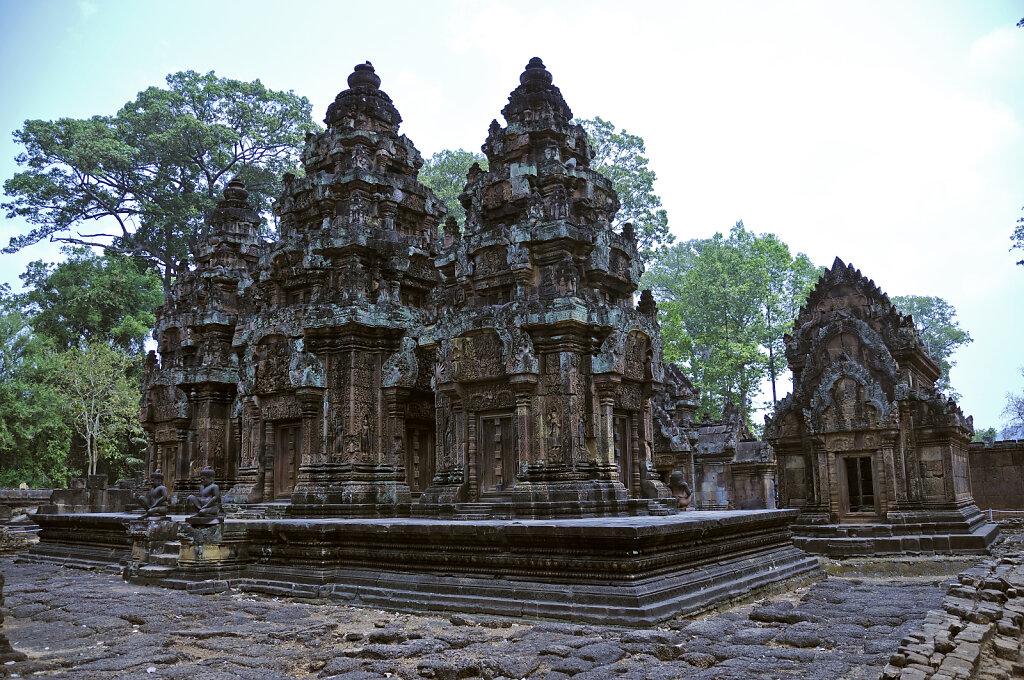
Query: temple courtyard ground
x=90, y=626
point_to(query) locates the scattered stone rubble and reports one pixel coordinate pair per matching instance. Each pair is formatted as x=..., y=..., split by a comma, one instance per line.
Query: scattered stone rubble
x=978, y=633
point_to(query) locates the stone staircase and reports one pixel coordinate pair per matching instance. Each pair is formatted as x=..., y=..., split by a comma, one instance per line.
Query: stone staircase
x=659, y=508
x=274, y=510
x=472, y=511
x=159, y=565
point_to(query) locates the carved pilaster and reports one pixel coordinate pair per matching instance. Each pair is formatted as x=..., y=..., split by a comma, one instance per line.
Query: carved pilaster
x=395, y=399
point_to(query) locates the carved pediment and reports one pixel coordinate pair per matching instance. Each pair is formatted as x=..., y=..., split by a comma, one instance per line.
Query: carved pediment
x=847, y=398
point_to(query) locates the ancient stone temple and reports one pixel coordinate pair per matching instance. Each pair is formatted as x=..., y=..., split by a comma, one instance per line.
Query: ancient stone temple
x=334, y=407
x=545, y=367
x=870, y=452
x=189, y=403
x=376, y=373
x=723, y=464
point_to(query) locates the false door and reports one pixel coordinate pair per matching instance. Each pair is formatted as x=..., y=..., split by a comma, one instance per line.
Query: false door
x=496, y=466
x=287, y=450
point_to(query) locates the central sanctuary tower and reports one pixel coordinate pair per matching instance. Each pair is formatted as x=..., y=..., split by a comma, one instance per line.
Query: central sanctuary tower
x=334, y=413
x=544, y=366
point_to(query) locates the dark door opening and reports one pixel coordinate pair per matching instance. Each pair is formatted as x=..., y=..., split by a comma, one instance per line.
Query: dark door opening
x=860, y=483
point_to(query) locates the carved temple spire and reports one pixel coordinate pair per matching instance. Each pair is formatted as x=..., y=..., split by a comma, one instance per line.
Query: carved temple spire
x=363, y=105
x=232, y=237
x=536, y=98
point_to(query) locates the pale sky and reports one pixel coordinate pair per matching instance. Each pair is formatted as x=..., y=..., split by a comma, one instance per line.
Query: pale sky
x=886, y=133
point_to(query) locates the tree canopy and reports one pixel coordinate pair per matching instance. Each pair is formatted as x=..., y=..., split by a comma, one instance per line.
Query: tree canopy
x=445, y=173
x=1018, y=238
x=139, y=182
x=726, y=303
x=619, y=156
x=1014, y=414
x=71, y=349
x=34, y=437
x=938, y=327
x=100, y=400
x=92, y=298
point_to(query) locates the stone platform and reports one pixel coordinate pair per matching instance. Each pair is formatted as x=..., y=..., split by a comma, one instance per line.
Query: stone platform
x=964, y=531
x=626, y=571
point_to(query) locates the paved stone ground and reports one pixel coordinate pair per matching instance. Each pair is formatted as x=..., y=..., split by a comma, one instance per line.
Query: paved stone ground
x=92, y=626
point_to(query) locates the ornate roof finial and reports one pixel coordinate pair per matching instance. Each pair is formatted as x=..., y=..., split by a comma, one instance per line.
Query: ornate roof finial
x=535, y=73
x=363, y=104
x=235, y=190
x=363, y=75
x=536, y=99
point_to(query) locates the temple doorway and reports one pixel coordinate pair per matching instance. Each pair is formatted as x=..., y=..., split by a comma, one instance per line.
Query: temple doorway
x=496, y=464
x=859, y=485
x=287, y=449
x=419, y=450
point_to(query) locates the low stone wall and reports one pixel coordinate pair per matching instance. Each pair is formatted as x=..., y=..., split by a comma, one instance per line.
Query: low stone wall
x=978, y=635
x=997, y=474
x=14, y=502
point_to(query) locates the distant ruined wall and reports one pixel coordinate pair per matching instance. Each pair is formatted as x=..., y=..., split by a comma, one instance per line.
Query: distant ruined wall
x=997, y=474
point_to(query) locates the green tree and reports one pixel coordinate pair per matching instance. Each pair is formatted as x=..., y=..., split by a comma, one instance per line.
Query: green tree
x=100, y=400
x=139, y=182
x=985, y=435
x=92, y=298
x=34, y=438
x=726, y=304
x=445, y=173
x=1014, y=414
x=936, y=322
x=619, y=156
x=1018, y=237
x=783, y=282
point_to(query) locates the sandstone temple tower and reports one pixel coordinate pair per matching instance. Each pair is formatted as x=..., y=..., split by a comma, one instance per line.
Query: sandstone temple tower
x=332, y=392
x=372, y=362
x=545, y=367
x=870, y=452
x=292, y=367
x=188, y=399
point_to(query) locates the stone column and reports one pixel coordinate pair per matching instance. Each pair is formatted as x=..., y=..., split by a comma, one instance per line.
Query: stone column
x=310, y=401
x=469, y=458
x=638, y=451
x=269, y=433
x=394, y=444
x=895, y=487
x=524, y=386
x=311, y=482
x=152, y=454
x=606, y=384
x=180, y=469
